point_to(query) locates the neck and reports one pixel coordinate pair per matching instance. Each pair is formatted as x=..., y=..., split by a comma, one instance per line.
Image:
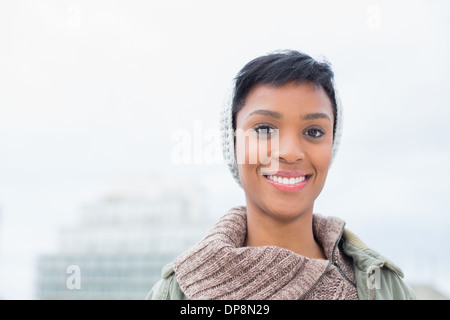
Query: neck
x=293, y=234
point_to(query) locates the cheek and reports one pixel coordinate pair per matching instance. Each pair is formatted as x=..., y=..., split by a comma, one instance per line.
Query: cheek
x=250, y=150
x=247, y=157
x=321, y=157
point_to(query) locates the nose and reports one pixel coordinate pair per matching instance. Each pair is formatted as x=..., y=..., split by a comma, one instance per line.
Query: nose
x=290, y=149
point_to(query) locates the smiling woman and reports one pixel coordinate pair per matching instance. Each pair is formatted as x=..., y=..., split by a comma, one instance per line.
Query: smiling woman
x=276, y=247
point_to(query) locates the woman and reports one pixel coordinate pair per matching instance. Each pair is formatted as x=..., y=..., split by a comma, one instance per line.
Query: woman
x=281, y=131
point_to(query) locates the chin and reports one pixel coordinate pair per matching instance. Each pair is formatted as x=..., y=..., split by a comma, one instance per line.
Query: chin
x=288, y=210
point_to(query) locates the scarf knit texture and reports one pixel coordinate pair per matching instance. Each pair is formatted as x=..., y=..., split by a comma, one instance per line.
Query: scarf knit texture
x=220, y=267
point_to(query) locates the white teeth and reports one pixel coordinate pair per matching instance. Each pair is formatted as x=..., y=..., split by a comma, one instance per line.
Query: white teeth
x=284, y=180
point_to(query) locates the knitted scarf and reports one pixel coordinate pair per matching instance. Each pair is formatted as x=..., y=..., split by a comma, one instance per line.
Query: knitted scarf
x=219, y=267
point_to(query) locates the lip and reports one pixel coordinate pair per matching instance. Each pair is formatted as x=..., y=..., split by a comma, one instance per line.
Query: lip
x=284, y=173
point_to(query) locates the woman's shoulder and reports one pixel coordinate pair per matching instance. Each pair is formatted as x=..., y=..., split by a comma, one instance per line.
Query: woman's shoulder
x=167, y=288
x=377, y=277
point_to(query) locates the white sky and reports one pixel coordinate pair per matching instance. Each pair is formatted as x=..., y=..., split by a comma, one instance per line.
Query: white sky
x=93, y=90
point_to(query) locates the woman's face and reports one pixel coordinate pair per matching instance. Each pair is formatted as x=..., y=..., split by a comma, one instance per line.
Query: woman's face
x=295, y=123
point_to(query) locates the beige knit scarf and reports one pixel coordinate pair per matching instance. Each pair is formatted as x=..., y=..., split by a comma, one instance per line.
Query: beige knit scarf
x=219, y=267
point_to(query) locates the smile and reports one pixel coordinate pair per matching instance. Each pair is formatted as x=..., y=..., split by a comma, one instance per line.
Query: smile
x=287, y=181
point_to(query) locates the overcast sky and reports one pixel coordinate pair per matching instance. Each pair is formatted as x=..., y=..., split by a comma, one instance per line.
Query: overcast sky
x=93, y=91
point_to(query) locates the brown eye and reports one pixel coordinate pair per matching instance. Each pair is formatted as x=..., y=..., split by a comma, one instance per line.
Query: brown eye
x=315, y=132
x=265, y=130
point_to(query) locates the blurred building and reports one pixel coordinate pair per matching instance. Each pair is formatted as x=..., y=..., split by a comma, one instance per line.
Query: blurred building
x=120, y=244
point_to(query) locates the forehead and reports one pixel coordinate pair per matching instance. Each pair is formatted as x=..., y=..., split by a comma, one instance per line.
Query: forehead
x=292, y=99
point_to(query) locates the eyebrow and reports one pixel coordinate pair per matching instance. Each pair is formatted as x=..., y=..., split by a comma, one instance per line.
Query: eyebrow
x=314, y=116
x=272, y=114
x=277, y=115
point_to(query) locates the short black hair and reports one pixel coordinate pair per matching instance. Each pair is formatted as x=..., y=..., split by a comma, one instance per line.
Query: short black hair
x=279, y=68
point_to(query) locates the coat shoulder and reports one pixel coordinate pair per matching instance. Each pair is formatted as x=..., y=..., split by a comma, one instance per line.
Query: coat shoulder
x=377, y=277
x=167, y=288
